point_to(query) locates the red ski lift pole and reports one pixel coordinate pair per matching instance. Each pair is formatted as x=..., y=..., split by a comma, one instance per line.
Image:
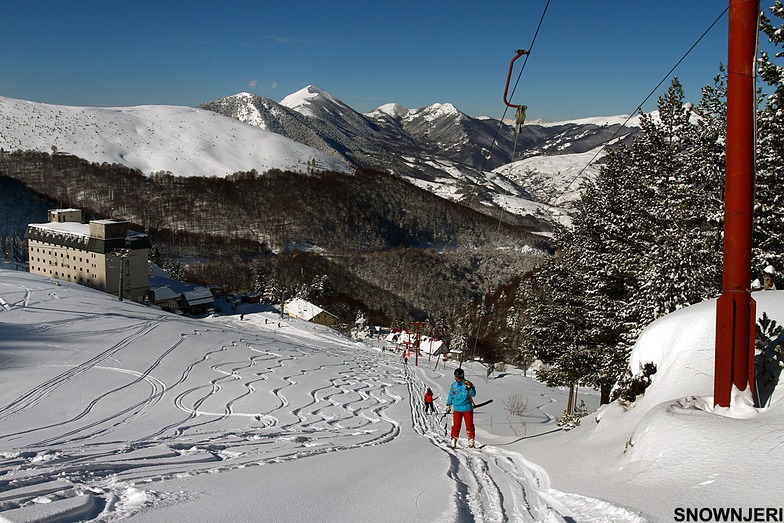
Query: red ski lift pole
x=736, y=309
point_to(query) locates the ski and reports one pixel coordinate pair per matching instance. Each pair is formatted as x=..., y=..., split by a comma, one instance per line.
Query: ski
x=464, y=447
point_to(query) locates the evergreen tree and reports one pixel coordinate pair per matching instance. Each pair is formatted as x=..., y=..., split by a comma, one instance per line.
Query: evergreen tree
x=19, y=247
x=643, y=242
x=174, y=268
x=154, y=255
x=578, y=319
x=273, y=291
x=554, y=326
x=259, y=279
x=677, y=259
x=768, y=233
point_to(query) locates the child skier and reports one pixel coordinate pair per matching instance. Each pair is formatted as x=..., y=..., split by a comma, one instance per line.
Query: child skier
x=461, y=402
x=429, y=401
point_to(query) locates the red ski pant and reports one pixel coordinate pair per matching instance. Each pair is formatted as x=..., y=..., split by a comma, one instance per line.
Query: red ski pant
x=457, y=421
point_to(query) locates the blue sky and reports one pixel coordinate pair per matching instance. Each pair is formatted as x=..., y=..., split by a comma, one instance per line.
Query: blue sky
x=591, y=58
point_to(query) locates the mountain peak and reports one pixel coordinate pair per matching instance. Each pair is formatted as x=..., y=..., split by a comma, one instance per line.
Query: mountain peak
x=300, y=100
x=436, y=111
x=446, y=109
x=390, y=109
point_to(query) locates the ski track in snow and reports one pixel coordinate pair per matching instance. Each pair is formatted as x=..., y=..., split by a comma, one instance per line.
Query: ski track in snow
x=103, y=446
x=496, y=485
x=235, y=405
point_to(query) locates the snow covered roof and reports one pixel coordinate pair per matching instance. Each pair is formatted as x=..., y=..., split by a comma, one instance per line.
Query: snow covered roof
x=79, y=229
x=198, y=296
x=164, y=293
x=167, y=288
x=303, y=309
x=73, y=228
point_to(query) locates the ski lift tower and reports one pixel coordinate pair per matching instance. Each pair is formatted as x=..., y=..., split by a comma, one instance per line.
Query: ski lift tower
x=736, y=309
x=417, y=341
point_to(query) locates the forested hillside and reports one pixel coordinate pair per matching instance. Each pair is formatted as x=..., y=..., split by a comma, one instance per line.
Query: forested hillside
x=386, y=247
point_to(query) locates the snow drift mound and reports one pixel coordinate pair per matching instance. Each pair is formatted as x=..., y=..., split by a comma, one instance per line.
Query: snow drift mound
x=673, y=436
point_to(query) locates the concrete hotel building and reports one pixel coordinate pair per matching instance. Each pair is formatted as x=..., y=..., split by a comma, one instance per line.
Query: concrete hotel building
x=101, y=254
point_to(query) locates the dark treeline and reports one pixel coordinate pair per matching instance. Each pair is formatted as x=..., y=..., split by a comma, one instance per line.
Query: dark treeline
x=388, y=249
x=367, y=211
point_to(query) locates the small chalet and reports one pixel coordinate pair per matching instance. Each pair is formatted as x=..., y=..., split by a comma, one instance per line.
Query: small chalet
x=198, y=300
x=299, y=308
x=173, y=295
x=165, y=298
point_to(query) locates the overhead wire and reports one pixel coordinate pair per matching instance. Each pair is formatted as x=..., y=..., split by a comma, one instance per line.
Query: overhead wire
x=639, y=106
x=501, y=122
x=604, y=145
x=489, y=152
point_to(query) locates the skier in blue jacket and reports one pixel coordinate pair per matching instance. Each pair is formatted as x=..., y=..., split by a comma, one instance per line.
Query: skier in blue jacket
x=460, y=400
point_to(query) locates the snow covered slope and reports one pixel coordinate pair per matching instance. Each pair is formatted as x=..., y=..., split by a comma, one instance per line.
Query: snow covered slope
x=115, y=411
x=151, y=138
x=555, y=179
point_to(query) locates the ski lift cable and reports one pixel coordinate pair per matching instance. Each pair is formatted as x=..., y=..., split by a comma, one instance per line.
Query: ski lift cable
x=639, y=107
x=514, y=88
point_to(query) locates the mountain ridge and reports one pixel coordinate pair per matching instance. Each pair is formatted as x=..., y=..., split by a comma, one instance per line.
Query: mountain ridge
x=444, y=150
x=152, y=138
x=473, y=161
x=439, y=148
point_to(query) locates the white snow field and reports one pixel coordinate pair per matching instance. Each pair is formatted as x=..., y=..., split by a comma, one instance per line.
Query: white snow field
x=155, y=138
x=115, y=411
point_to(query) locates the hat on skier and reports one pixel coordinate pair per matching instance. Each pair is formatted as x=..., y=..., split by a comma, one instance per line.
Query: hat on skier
x=459, y=373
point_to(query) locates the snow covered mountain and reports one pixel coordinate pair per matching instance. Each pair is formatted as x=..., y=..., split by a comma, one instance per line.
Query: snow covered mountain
x=479, y=162
x=271, y=116
x=438, y=147
x=316, y=118
x=152, y=138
